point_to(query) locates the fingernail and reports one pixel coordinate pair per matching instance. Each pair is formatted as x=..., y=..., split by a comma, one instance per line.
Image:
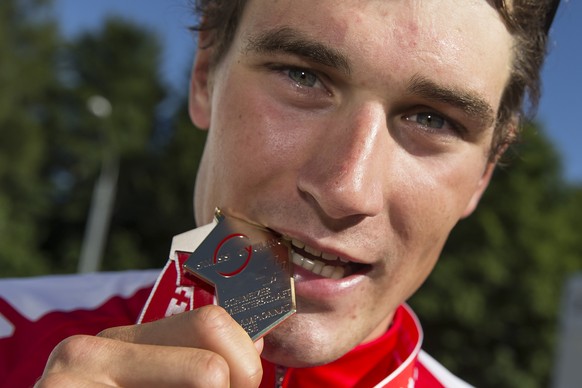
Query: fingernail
x=259, y=344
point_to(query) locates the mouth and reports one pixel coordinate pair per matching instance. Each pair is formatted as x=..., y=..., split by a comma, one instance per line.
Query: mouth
x=324, y=264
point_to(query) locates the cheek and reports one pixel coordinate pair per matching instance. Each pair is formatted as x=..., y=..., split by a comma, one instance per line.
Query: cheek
x=253, y=131
x=433, y=195
x=427, y=203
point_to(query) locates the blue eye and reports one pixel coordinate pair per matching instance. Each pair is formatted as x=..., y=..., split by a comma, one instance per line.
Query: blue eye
x=303, y=78
x=428, y=119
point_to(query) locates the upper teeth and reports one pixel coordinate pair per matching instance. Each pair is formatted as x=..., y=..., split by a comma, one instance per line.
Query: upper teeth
x=316, y=266
x=315, y=252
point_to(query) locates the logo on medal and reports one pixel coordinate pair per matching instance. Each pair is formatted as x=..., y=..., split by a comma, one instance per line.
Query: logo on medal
x=238, y=253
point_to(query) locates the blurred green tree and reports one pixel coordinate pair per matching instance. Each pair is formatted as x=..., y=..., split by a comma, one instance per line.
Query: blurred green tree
x=156, y=201
x=53, y=145
x=490, y=307
x=28, y=60
x=109, y=120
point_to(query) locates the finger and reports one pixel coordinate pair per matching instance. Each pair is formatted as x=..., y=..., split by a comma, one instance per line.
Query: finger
x=210, y=328
x=108, y=362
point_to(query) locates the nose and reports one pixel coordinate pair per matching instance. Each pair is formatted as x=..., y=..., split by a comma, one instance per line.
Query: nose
x=344, y=175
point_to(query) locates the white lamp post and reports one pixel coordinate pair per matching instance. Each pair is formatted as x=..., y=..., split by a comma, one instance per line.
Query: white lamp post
x=102, y=200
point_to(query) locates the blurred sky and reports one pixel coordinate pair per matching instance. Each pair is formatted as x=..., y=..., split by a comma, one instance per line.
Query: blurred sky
x=562, y=95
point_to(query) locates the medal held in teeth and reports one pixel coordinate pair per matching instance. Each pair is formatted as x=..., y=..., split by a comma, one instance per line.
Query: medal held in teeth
x=250, y=268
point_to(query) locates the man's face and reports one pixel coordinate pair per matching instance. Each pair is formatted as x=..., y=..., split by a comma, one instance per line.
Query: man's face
x=361, y=130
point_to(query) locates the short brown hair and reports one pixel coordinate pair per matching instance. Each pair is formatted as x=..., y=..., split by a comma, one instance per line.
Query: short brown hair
x=528, y=21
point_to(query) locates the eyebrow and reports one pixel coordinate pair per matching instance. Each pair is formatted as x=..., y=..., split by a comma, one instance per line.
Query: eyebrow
x=287, y=40
x=469, y=102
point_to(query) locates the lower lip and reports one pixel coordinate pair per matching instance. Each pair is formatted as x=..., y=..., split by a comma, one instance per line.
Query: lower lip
x=312, y=286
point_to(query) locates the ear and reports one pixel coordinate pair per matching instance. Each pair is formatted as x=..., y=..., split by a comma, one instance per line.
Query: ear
x=200, y=101
x=480, y=189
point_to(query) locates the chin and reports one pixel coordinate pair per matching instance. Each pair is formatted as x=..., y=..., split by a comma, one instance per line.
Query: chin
x=293, y=356
x=297, y=346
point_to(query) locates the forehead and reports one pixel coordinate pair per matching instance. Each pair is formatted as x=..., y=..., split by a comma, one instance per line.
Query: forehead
x=457, y=41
